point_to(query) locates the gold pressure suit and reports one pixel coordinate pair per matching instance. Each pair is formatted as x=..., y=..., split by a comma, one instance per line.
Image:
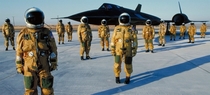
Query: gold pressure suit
x=85, y=37
x=161, y=33
x=32, y=57
x=9, y=34
x=148, y=34
x=60, y=29
x=172, y=32
x=69, y=31
x=203, y=29
x=191, y=33
x=124, y=47
x=104, y=34
x=182, y=31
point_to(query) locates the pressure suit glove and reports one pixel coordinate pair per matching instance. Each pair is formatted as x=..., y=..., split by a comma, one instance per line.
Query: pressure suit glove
x=133, y=53
x=113, y=51
x=20, y=70
x=53, y=61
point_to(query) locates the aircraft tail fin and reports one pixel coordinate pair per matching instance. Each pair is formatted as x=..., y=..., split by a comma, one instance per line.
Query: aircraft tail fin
x=180, y=8
x=138, y=8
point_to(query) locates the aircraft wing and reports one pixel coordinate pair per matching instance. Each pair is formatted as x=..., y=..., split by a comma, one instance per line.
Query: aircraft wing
x=199, y=21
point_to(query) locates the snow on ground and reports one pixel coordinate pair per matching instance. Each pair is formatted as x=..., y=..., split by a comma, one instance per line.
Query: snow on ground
x=179, y=68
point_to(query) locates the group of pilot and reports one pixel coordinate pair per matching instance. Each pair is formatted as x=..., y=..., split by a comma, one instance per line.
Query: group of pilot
x=36, y=52
x=61, y=28
x=123, y=44
x=191, y=31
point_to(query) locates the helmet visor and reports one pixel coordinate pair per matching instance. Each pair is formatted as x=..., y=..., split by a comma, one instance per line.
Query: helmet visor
x=103, y=22
x=124, y=19
x=84, y=20
x=35, y=18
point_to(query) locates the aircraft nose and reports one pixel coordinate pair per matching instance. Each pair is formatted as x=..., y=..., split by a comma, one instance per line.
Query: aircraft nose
x=75, y=17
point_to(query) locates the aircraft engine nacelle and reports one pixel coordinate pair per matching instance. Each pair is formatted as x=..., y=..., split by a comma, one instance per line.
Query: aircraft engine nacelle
x=178, y=19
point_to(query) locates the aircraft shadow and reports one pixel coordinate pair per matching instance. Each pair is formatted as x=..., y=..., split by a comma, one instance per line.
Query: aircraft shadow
x=155, y=75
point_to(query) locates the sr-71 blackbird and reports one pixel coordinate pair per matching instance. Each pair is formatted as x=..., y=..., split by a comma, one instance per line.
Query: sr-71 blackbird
x=111, y=12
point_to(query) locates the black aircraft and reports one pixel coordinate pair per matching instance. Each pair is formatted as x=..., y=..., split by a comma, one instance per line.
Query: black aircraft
x=179, y=19
x=111, y=12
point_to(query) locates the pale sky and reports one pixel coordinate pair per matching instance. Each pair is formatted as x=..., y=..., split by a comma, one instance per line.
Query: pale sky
x=164, y=9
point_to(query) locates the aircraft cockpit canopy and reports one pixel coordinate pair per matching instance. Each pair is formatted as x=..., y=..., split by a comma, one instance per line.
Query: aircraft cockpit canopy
x=107, y=6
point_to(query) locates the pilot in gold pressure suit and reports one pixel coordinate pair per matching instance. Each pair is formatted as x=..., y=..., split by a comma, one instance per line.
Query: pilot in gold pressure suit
x=60, y=29
x=85, y=37
x=182, y=31
x=104, y=34
x=123, y=47
x=69, y=30
x=203, y=29
x=161, y=33
x=36, y=54
x=148, y=34
x=191, y=32
x=8, y=33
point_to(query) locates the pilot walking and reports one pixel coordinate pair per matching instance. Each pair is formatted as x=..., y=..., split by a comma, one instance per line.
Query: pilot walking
x=36, y=54
x=191, y=32
x=8, y=33
x=85, y=37
x=148, y=34
x=161, y=33
x=60, y=29
x=104, y=34
x=69, y=31
x=203, y=29
x=182, y=31
x=173, y=32
x=123, y=47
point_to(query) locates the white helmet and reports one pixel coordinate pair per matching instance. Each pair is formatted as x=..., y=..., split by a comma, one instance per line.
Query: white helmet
x=162, y=21
x=183, y=23
x=192, y=23
x=34, y=18
x=84, y=20
x=124, y=19
x=148, y=22
x=103, y=22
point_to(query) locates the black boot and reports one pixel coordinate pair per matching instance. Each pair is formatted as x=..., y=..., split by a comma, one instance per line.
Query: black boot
x=13, y=48
x=159, y=44
x=107, y=49
x=82, y=58
x=117, y=79
x=6, y=49
x=59, y=43
x=163, y=45
x=88, y=57
x=127, y=80
x=152, y=51
x=147, y=51
x=102, y=49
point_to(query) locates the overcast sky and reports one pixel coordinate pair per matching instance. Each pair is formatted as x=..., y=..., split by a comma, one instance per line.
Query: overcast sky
x=165, y=9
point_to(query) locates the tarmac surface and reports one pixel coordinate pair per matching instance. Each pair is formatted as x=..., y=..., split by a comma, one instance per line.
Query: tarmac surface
x=179, y=68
